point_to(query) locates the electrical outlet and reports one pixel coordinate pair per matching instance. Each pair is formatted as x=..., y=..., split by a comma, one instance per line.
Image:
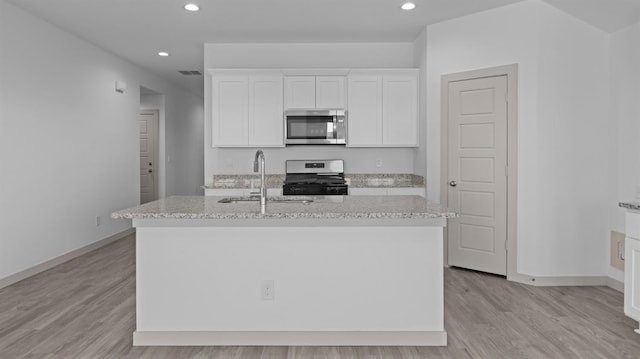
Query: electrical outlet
x=98, y=221
x=268, y=289
x=379, y=163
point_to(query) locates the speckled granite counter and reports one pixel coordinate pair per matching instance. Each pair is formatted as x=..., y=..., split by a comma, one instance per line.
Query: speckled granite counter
x=630, y=205
x=347, y=207
x=243, y=181
x=355, y=180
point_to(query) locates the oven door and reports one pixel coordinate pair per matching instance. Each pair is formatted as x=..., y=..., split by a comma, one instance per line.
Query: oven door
x=310, y=127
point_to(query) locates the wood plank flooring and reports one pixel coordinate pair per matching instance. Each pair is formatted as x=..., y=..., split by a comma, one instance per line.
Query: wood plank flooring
x=85, y=308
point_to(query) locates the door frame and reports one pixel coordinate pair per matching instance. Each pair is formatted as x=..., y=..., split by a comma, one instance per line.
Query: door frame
x=511, y=71
x=156, y=150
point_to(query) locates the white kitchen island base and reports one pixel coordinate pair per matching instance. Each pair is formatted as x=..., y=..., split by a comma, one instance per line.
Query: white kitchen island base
x=334, y=282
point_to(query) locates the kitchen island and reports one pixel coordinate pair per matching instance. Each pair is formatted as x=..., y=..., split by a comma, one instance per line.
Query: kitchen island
x=352, y=270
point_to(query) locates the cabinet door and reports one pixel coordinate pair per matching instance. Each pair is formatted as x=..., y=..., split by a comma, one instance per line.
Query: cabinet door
x=330, y=92
x=364, y=119
x=400, y=110
x=230, y=110
x=368, y=191
x=300, y=92
x=632, y=266
x=265, y=111
x=632, y=278
x=406, y=191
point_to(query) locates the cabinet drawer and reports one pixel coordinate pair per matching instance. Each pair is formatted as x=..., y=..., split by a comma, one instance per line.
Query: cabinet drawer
x=406, y=191
x=633, y=225
x=367, y=191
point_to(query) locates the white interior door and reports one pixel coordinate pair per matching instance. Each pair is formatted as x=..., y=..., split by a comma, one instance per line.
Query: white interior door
x=477, y=174
x=148, y=156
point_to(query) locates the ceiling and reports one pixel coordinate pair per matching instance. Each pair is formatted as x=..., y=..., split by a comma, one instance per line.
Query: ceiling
x=137, y=30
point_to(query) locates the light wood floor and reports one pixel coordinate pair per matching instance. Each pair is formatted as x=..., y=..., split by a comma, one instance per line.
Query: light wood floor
x=85, y=308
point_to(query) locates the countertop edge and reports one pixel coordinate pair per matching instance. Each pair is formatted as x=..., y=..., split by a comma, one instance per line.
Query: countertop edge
x=364, y=208
x=275, y=216
x=630, y=205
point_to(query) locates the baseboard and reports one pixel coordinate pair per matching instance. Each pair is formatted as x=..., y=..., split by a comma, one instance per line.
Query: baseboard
x=562, y=281
x=24, y=274
x=292, y=338
x=615, y=284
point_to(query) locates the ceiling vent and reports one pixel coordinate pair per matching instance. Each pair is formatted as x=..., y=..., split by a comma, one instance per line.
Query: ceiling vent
x=190, y=72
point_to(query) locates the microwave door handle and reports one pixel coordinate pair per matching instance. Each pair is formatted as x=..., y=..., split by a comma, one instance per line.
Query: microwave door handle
x=335, y=128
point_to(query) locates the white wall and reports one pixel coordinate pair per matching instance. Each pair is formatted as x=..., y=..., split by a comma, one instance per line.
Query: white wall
x=624, y=134
x=572, y=172
x=285, y=55
x=184, y=158
x=562, y=126
x=420, y=61
x=68, y=142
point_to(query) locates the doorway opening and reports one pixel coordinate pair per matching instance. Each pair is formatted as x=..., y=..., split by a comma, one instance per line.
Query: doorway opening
x=151, y=118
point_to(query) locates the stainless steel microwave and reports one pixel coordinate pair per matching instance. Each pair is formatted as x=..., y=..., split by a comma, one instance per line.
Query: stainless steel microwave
x=315, y=127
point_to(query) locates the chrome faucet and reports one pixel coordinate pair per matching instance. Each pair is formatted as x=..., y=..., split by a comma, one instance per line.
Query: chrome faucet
x=259, y=161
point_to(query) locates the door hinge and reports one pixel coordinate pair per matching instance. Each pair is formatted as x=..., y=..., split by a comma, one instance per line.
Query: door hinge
x=506, y=247
x=506, y=171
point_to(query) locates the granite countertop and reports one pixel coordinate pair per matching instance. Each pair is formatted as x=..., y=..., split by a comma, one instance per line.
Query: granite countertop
x=630, y=205
x=330, y=207
x=355, y=180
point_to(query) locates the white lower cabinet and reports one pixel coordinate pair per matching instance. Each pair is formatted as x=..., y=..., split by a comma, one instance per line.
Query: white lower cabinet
x=632, y=267
x=386, y=191
x=239, y=192
x=405, y=191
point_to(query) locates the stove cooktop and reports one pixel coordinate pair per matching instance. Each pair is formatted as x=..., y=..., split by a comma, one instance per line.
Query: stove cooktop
x=315, y=177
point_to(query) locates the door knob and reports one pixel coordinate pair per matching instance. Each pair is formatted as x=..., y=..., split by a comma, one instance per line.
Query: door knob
x=453, y=183
x=150, y=171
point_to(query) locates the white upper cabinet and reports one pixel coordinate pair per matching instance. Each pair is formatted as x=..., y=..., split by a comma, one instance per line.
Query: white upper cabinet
x=246, y=110
x=305, y=92
x=364, y=122
x=265, y=111
x=230, y=110
x=383, y=108
x=247, y=105
x=400, y=110
x=330, y=92
x=300, y=91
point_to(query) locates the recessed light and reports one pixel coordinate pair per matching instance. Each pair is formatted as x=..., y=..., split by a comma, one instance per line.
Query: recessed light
x=163, y=53
x=192, y=7
x=408, y=6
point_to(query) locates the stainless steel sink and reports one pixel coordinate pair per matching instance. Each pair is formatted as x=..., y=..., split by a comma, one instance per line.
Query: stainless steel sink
x=256, y=199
